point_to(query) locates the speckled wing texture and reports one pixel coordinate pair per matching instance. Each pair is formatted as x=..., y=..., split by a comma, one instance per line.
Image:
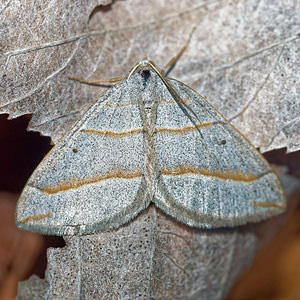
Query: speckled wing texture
x=92, y=179
x=149, y=139
x=210, y=175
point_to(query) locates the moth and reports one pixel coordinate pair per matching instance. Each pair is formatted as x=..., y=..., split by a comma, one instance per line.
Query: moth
x=149, y=139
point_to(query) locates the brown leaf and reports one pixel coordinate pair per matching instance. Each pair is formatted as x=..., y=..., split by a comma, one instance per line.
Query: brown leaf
x=275, y=272
x=19, y=250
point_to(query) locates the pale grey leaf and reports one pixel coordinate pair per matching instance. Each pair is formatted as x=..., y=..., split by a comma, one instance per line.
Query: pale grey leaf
x=242, y=57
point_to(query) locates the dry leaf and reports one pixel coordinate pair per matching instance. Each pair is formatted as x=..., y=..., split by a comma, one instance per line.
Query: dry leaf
x=242, y=57
x=153, y=257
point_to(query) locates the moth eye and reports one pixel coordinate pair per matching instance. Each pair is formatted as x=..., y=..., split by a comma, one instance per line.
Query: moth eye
x=223, y=142
x=75, y=150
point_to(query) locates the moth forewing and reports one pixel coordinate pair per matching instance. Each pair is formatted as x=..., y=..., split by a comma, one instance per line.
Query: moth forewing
x=147, y=139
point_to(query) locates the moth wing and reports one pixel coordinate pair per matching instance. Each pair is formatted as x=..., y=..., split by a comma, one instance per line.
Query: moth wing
x=210, y=175
x=92, y=179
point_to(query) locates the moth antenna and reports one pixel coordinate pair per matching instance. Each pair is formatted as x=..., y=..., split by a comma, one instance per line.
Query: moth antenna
x=174, y=93
x=170, y=65
x=98, y=82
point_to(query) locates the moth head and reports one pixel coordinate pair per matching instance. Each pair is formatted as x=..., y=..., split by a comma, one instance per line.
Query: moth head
x=143, y=67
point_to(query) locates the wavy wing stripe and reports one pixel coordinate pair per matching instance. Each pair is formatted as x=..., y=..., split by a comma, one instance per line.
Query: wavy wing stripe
x=36, y=218
x=114, y=134
x=185, y=129
x=77, y=183
x=268, y=204
x=224, y=175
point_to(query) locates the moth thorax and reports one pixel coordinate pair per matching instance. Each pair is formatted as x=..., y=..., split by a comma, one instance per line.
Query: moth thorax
x=148, y=104
x=148, y=100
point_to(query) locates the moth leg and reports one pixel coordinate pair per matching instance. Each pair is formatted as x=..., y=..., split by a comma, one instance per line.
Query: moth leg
x=173, y=61
x=98, y=82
